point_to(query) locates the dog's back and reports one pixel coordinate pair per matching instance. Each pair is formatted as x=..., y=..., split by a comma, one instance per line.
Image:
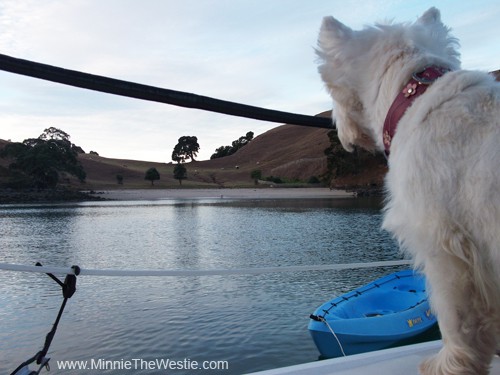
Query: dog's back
x=446, y=156
x=445, y=161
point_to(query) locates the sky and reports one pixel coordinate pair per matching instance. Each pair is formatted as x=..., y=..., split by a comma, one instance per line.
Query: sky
x=256, y=52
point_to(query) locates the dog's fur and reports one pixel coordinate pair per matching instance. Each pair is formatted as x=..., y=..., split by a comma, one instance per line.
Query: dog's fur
x=443, y=184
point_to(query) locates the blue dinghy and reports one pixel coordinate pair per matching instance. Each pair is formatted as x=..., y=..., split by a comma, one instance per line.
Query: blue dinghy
x=388, y=312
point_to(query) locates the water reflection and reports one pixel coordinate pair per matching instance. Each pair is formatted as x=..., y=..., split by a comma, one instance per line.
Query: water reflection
x=253, y=321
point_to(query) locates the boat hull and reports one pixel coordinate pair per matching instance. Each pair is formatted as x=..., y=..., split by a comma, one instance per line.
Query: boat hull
x=391, y=311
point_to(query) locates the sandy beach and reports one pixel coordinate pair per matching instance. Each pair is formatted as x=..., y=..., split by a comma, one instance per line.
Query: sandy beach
x=269, y=193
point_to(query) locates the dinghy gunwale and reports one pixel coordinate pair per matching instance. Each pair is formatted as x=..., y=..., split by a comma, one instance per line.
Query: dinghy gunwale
x=361, y=333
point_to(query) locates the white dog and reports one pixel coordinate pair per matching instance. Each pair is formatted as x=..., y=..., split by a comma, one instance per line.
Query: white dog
x=443, y=184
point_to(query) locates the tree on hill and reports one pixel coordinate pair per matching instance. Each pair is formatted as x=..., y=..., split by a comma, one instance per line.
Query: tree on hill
x=38, y=162
x=180, y=173
x=152, y=175
x=235, y=146
x=52, y=133
x=186, y=148
x=221, y=152
x=256, y=175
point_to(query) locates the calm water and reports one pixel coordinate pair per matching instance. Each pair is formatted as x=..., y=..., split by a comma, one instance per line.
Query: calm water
x=253, y=322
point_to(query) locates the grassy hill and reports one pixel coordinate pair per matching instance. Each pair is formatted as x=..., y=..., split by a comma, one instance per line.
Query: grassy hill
x=288, y=151
x=292, y=153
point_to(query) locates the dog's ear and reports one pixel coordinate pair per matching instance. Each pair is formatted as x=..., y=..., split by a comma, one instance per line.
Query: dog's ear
x=433, y=36
x=333, y=30
x=332, y=40
x=430, y=17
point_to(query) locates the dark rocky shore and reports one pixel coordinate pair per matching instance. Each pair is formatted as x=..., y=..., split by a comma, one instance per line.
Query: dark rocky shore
x=11, y=196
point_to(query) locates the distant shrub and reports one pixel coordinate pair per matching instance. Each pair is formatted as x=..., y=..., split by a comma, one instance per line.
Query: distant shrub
x=223, y=151
x=276, y=180
x=180, y=172
x=256, y=175
x=152, y=175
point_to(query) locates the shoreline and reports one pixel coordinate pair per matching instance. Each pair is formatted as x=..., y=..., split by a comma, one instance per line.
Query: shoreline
x=236, y=193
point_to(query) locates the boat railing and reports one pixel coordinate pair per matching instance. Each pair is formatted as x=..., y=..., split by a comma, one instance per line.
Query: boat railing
x=199, y=272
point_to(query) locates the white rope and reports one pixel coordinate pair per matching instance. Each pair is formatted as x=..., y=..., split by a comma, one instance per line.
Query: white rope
x=334, y=335
x=213, y=272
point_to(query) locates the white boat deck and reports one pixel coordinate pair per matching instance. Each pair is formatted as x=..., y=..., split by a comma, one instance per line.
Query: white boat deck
x=397, y=361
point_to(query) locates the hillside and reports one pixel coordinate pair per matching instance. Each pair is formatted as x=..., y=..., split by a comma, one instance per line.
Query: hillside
x=288, y=151
x=292, y=153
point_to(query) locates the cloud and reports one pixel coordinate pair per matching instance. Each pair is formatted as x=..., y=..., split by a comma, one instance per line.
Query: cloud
x=256, y=52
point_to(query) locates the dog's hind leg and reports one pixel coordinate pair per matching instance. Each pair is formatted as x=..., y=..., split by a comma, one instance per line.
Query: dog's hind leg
x=467, y=316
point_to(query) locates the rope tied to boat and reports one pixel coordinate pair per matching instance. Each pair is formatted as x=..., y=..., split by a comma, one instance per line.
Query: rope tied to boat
x=68, y=288
x=323, y=320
